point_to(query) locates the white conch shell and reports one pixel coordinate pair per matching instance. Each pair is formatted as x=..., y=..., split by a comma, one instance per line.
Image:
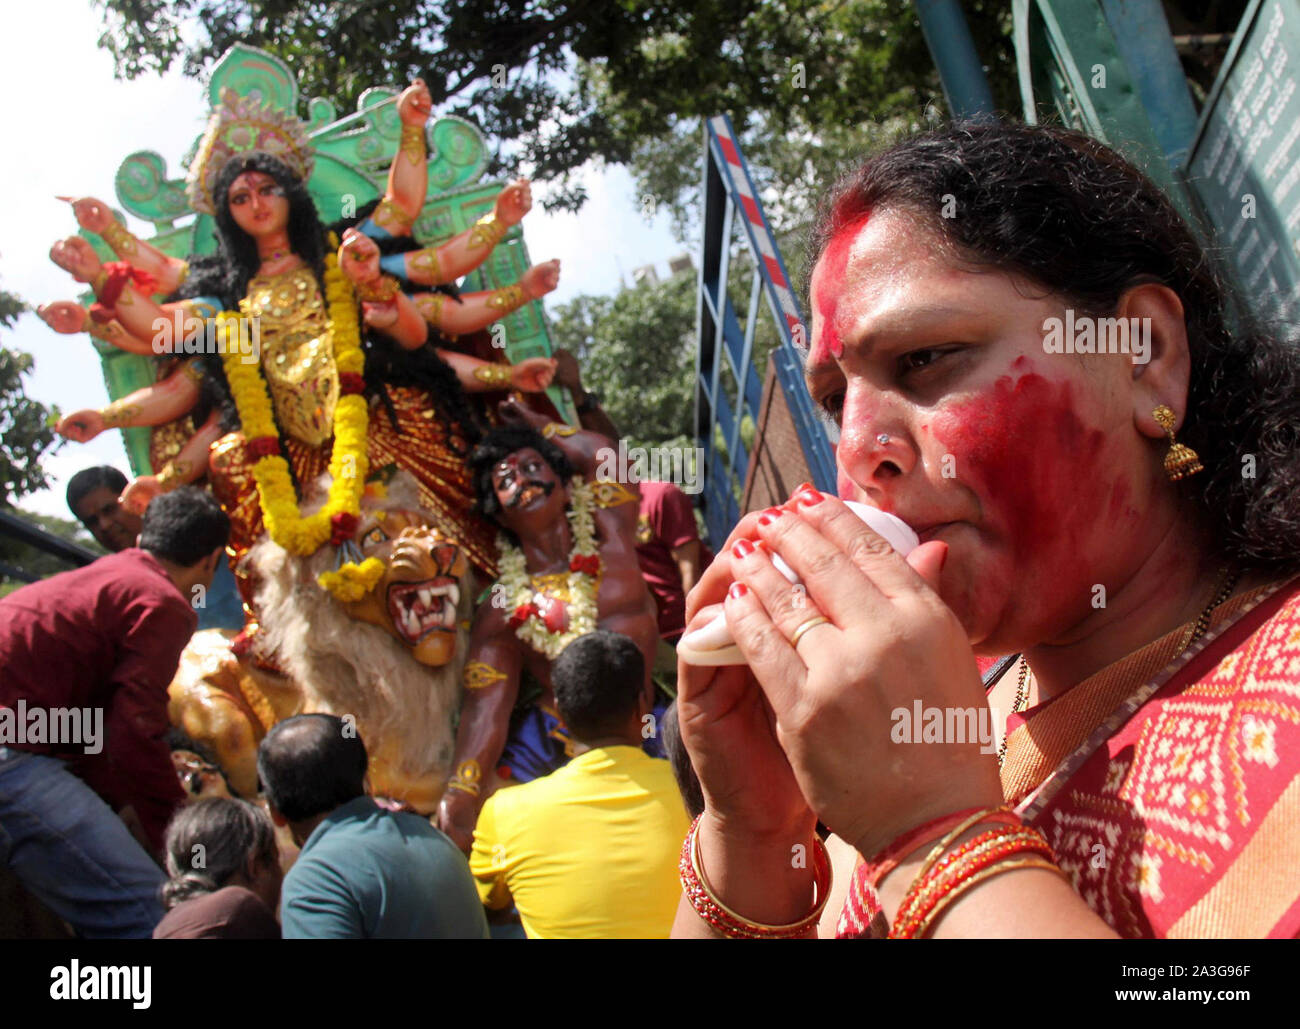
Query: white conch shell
x=712, y=644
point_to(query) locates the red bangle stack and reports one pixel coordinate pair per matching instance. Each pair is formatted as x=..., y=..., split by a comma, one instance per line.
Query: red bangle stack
x=887, y=860
x=944, y=877
x=726, y=921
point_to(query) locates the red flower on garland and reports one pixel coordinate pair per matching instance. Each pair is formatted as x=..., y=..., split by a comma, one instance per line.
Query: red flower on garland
x=345, y=526
x=522, y=613
x=351, y=384
x=589, y=564
x=263, y=446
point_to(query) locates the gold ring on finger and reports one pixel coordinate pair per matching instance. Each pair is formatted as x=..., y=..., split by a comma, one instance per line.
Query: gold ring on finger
x=812, y=623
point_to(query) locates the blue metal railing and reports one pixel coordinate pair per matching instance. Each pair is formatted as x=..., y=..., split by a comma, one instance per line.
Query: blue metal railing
x=728, y=192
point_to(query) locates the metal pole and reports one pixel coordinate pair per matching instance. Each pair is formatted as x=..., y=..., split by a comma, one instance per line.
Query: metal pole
x=965, y=86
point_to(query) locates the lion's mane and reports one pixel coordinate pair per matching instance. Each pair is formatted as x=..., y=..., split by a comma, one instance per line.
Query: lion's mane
x=344, y=666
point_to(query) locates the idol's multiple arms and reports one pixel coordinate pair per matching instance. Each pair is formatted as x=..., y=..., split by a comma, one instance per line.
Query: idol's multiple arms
x=163, y=402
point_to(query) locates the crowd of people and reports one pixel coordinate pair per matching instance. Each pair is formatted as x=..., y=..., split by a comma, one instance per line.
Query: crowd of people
x=589, y=851
x=1096, y=574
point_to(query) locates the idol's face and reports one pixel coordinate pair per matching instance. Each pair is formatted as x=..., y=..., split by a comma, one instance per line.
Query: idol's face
x=417, y=599
x=954, y=417
x=528, y=490
x=258, y=204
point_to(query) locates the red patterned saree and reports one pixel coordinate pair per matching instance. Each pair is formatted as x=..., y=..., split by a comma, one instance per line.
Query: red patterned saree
x=1169, y=782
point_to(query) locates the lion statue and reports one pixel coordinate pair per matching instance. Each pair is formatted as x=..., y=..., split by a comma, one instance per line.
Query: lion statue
x=388, y=658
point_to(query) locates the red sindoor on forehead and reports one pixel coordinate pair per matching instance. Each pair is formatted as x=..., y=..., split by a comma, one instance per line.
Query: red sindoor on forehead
x=830, y=285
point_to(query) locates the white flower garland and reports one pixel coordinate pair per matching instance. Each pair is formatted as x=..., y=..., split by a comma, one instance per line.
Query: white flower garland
x=581, y=587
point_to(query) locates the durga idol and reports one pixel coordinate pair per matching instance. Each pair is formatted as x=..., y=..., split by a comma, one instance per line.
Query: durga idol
x=337, y=386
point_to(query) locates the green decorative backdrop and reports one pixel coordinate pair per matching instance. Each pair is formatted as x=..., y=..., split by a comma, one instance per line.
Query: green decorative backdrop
x=353, y=154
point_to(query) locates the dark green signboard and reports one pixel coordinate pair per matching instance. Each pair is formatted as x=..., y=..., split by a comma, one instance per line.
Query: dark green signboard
x=1245, y=164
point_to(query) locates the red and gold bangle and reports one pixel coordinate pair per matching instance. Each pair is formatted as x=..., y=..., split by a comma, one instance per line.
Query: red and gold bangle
x=970, y=856
x=970, y=820
x=921, y=927
x=736, y=926
x=961, y=869
x=888, y=859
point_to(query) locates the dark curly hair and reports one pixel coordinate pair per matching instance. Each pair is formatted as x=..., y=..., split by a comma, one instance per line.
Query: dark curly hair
x=306, y=236
x=499, y=444
x=1066, y=212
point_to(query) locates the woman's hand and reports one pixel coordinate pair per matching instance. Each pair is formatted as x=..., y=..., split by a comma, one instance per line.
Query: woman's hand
x=359, y=257
x=532, y=375
x=64, y=316
x=76, y=256
x=80, y=426
x=838, y=696
x=727, y=724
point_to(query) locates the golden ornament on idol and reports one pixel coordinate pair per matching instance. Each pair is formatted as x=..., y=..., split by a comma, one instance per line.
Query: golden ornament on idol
x=284, y=520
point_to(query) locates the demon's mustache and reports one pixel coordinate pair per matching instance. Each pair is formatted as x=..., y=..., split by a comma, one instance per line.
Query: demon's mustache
x=546, y=487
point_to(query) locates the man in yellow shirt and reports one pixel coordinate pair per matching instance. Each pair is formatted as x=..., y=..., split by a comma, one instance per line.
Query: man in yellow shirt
x=589, y=851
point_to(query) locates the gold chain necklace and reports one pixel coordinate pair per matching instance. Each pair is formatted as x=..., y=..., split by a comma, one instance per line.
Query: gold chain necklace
x=1228, y=578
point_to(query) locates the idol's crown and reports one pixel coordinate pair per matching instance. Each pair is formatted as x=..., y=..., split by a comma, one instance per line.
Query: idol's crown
x=244, y=125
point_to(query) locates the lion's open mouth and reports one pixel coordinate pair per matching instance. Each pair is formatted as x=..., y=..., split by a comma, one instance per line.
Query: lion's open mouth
x=419, y=608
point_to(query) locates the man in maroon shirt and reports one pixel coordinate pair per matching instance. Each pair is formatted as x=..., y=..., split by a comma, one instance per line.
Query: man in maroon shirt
x=85, y=661
x=669, y=551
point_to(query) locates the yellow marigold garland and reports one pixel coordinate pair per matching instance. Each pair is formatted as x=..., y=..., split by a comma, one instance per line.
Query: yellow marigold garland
x=583, y=585
x=353, y=581
x=348, y=465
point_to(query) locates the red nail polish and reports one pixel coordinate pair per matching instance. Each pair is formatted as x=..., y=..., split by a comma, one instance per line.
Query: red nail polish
x=738, y=590
x=770, y=515
x=801, y=488
x=810, y=497
x=741, y=549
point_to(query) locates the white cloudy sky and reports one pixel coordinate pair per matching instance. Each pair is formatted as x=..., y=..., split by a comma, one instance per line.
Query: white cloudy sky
x=68, y=126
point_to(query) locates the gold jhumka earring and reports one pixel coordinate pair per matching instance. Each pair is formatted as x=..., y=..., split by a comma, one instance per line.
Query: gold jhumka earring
x=1182, y=460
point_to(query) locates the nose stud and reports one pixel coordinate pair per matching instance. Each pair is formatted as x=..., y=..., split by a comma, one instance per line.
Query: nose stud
x=883, y=439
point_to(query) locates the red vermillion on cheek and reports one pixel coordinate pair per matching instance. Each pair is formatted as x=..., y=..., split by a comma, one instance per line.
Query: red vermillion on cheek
x=1043, y=478
x=830, y=286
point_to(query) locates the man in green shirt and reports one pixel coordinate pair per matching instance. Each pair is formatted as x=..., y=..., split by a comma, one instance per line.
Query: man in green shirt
x=363, y=872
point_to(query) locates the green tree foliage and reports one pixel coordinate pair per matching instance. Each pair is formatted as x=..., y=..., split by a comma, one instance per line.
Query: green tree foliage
x=558, y=82
x=26, y=431
x=638, y=350
x=859, y=77
x=37, y=562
